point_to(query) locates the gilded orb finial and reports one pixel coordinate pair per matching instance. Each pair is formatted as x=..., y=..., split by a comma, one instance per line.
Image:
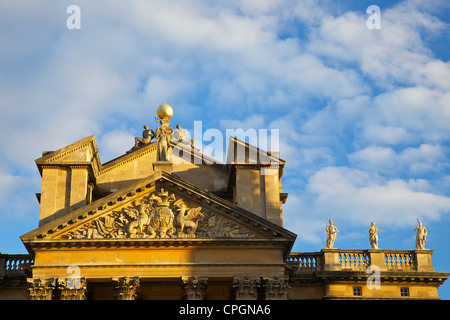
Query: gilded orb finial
x=164, y=112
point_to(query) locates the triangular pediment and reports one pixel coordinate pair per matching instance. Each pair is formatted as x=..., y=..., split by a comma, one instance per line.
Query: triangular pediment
x=161, y=207
x=83, y=152
x=242, y=152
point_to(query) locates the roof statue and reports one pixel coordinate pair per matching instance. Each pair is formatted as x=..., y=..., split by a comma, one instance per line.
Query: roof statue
x=421, y=236
x=373, y=236
x=332, y=232
x=164, y=132
x=180, y=135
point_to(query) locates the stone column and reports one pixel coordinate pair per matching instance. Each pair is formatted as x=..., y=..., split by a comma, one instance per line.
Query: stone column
x=276, y=288
x=195, y=287
x=245, y=288
x=41, y=289
x=126, y=288
x=72, y=289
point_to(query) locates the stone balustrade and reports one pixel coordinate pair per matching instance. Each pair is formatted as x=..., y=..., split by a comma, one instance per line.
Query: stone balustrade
x=360, y=260
x=306, y=261
x=14, y=264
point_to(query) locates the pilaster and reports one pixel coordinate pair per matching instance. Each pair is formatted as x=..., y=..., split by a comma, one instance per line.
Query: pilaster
x=79, y=177
x=48, y=194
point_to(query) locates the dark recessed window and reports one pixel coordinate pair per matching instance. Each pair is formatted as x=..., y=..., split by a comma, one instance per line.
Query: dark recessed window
x=357, y=291
x=404, y=292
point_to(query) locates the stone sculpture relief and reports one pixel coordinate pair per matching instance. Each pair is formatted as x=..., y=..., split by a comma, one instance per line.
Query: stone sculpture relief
x=159, y=216
x=187, y=218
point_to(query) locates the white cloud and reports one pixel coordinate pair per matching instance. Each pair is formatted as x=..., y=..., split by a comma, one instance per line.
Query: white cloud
x=373, y=158
x=361, y=197
x=386, y=135
x=115, y=143
x=394, y=53
x=425, y=159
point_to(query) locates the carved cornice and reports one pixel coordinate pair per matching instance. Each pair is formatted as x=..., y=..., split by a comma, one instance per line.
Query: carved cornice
x=127, y=158
x=53, y=158
x=153, y=243
x=385, y=277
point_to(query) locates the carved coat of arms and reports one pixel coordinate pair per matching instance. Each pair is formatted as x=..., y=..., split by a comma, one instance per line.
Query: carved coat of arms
x=159, y=216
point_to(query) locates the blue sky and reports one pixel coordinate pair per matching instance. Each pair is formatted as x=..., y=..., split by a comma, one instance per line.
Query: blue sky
x=363, y=115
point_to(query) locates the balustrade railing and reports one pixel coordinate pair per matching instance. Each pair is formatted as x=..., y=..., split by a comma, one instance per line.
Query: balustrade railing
x=307, y=262
x=14, y=264
x=400, y=260
x=354, y=260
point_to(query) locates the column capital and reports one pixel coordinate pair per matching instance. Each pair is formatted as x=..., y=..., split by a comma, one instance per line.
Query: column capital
x=72, y=288
x=41, y=289
x=245, y=287
x=194, y=287
x=126, y=288
x=276, y=288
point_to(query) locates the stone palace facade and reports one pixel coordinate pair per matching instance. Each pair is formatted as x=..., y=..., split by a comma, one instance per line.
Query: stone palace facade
x=152, y=224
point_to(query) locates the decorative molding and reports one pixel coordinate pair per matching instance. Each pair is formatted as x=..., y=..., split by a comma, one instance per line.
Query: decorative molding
x=143, y=151
x=66, y=153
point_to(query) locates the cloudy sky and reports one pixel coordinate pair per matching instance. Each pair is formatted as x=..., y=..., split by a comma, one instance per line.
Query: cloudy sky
x=363, y=114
